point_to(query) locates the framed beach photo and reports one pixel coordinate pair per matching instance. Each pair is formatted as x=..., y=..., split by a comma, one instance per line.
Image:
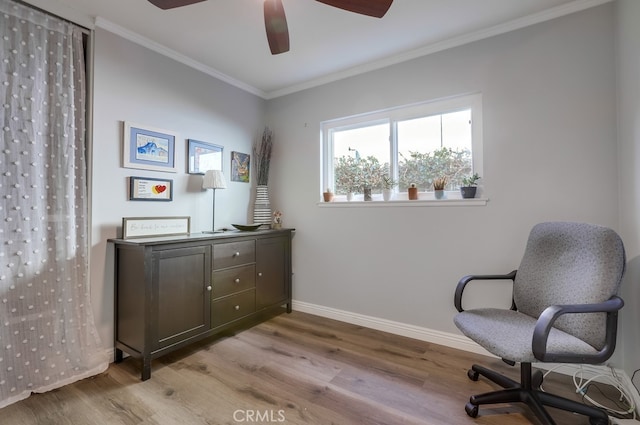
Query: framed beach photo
x=203, y=157
x=240, y=167
x=148, y=148
x=148, y=189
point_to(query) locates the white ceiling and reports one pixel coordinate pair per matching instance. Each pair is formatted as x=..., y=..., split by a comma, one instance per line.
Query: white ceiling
x=226, y=38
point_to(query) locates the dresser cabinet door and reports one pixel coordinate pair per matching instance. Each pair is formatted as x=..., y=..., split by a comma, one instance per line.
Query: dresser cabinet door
x=272, y=270
x=182, y=288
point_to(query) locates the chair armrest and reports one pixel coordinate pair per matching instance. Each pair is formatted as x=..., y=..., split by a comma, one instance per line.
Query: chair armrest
x=552, y=313
x=457, y=301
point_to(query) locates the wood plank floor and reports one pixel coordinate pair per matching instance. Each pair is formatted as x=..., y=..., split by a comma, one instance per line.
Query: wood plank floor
x=293, y=369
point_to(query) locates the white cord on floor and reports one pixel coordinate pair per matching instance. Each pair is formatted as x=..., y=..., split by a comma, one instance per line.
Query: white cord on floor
x=582, y=384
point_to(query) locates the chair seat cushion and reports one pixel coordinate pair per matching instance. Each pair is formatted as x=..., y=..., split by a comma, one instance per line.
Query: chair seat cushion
x=508, y=334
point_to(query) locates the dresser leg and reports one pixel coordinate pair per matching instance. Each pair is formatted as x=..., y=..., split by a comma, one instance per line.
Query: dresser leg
x=118, y=356
x=146, y=368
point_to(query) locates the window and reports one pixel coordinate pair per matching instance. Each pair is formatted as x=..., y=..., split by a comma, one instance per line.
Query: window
x=414, y=144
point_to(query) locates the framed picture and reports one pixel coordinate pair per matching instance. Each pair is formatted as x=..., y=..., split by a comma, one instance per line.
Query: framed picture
x=148, y=189
x=203, y=157
x=147, y=148
x=240, y=167
x=141, y=227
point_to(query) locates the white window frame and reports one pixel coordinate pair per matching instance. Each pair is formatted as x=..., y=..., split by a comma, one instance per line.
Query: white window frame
x=401, y=113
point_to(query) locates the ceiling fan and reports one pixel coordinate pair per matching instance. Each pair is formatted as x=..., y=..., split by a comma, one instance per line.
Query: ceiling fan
x=275, y=21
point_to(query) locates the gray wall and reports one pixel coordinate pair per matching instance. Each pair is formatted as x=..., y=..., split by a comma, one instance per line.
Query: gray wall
x=550, y=103
x=628, y=61
x=135, y=84
x=549, y=154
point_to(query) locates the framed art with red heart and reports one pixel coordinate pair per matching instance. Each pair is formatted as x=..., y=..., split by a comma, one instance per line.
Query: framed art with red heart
x=150, y=189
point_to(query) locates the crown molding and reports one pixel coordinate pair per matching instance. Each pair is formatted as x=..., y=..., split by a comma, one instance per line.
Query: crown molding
x=546, y=15
x=536, y=18
x=179, y=57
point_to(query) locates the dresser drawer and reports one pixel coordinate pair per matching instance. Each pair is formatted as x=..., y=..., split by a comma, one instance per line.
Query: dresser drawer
x=234, y=307
x=233, y=254
x=228, y=281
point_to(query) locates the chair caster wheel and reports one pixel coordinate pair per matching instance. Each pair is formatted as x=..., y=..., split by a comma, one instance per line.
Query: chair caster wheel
x=537, y=379
x=472, y=374
x=471, y=409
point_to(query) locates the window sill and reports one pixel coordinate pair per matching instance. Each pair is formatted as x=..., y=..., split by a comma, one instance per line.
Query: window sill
x=459, y=202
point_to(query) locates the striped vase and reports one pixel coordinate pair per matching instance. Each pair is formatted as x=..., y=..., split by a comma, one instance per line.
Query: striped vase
x=262, y=207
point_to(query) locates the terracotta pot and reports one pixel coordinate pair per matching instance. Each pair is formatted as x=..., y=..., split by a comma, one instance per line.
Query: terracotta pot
x=413, y=193
x=328, y=196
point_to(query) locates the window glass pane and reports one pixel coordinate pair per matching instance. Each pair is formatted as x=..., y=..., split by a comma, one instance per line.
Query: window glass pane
x=360, y=156
x=433, y=147
x=396, y=147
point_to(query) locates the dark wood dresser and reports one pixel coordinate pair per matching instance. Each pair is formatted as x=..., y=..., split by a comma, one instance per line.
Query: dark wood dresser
x=174, y=290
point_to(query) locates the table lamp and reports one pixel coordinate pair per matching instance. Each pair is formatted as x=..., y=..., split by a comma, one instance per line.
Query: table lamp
x=213, y=179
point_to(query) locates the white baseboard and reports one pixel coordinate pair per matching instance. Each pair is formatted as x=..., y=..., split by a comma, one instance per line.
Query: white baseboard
x=459, y=342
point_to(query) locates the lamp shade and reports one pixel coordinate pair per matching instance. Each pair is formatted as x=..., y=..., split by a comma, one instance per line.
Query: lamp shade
x=214, y=179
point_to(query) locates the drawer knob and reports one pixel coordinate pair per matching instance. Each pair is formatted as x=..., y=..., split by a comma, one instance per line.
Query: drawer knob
x=237, y=280
x=237, y=307
x=209, y=288
x=259, y=274
x=236, y=254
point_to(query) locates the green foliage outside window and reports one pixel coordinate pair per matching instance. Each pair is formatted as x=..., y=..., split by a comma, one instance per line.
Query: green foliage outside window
x=423, y=168
x=355, y=174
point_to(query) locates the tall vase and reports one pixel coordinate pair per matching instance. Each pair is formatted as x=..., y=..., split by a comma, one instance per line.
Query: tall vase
x=262, y=207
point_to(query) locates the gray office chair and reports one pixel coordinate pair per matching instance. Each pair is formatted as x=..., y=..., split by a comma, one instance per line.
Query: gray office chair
x=564, y=310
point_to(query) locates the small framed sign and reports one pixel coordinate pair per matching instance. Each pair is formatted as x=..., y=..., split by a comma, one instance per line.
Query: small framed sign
x=141, y=227
x=148, y=189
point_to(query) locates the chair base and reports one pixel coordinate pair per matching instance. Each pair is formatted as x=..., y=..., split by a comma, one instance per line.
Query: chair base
x=528, y=391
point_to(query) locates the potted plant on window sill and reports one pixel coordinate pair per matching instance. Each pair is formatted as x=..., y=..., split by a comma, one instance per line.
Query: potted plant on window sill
x=348, y=176
x=372, y=174
x=438, y=187
x=412, y=192
x=470, y=186
x=387, y=187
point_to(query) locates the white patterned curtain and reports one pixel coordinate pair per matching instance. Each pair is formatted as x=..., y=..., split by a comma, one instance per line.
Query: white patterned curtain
x=47, y=333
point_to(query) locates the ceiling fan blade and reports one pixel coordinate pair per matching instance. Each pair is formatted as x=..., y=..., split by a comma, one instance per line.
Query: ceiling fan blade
x=375, y=8
x=275, y=23
x=170, y=4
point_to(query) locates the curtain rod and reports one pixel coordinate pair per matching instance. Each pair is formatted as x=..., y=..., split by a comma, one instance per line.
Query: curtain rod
x=84, y=29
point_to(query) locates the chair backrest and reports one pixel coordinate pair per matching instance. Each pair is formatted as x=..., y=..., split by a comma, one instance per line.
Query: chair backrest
x=570, y=263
